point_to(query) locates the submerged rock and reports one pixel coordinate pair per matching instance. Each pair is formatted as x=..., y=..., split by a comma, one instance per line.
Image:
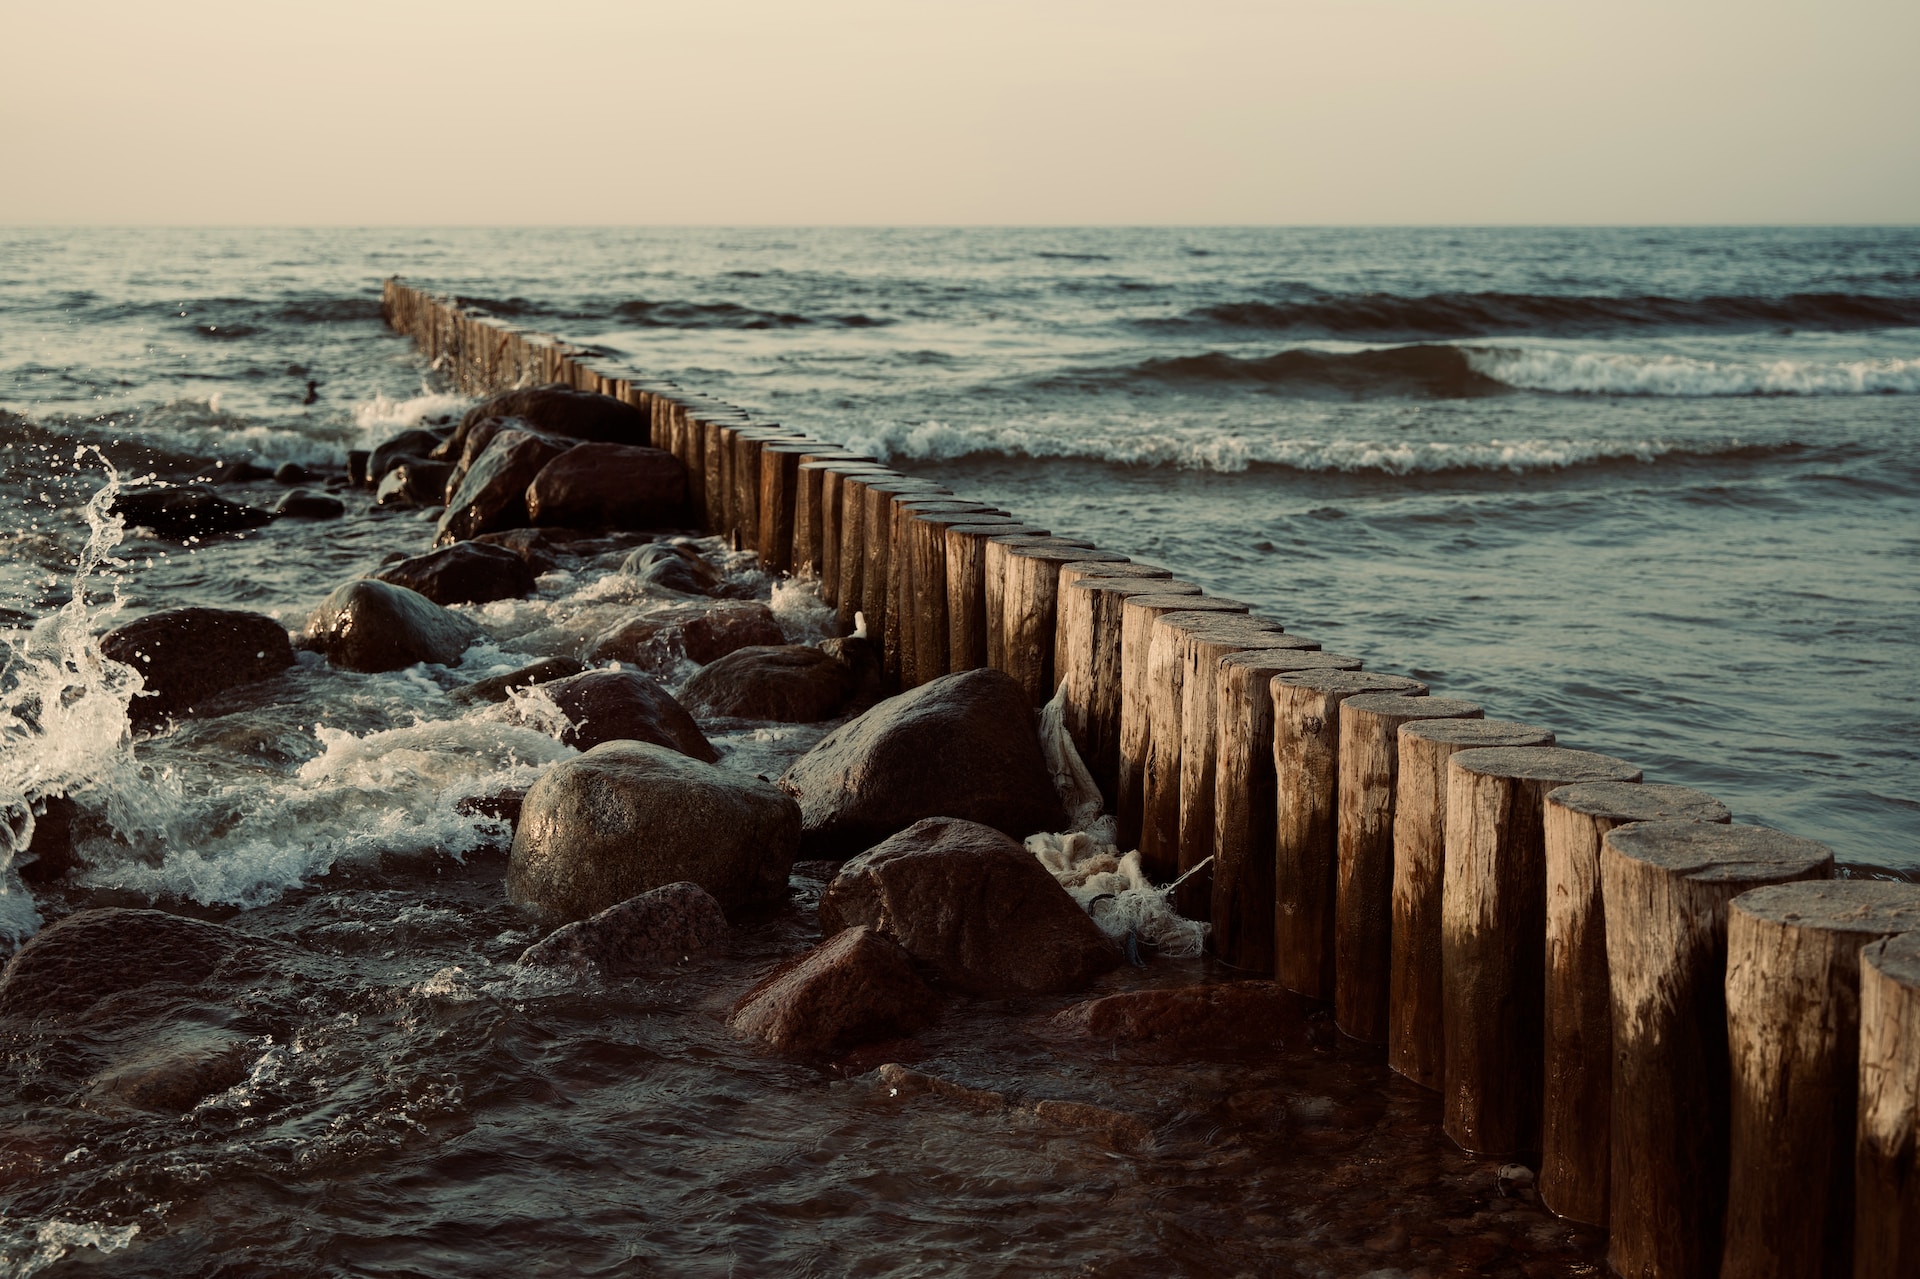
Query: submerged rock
x=172, y=1078
x=610, y=486
x=305, y=504
x=856, y=986
x=291, y=473
x=1191, y=1020
x=668, y=567
x=493, y=495
x=495, y=688
x=72, y=964
x=627, y=817
x=789, y=683
x=464, y=573
x=609, y=706
x=178, y=513
x=972, y=905
x=538, y=548
x=187, y=655
x=961, y=746
x=658, y=928
x=415, y=481
x=367, y=625
x=698, y=632
x=395, y=449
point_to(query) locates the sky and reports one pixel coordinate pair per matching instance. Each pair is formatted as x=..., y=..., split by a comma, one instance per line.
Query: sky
x=1046, y=112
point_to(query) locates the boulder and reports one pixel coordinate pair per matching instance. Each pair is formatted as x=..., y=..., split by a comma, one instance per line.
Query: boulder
x=305, y=504
x=187, y=655
x=495, y=688
x=291, y=473
x=789, y=683
x=367, y=625
x=615, y=706
x=462, y=451
x=538, y=548
x=963, y=745
x=668, y=567
x=698, y=632
x=1192, y=1020
x=610, y=486
x=464, y=573
x=856, y=986
x=493, y=494
x=174, y=1077
x=396, y=449
x=562, y=410
x=861, y=657
x=972, y=905
x=628, y=816
x=180, y=512
x=656, y=929
x=416, y=481
x=70, y=965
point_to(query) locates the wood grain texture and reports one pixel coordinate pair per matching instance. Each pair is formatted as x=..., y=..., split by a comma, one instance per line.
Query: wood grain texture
x=1887, y=1153
x=1087, y=650
x=967, y=589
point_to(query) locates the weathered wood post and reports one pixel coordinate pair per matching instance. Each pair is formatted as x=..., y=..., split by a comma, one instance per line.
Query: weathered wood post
x=1246, y=800
x=931, y=622
x=1306, y=769
x=1666, y=886
x=967, y=589
x=1493, y=937
x=1087, y=650
x=746, y=453
x=1793, y=1037
x=1138, y=613
x=876, y=573
x=1579, y=1043
x=1027, y=614
x=1886, y=1214
x=1072, y=655
x=835, y=510
x=810, y=520
x=1414, y=1018
x=1369, y=777
x=901, y=655
x=779, y=501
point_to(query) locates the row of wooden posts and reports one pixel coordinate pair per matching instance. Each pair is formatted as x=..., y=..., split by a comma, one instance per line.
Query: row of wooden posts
x=1712, y=1042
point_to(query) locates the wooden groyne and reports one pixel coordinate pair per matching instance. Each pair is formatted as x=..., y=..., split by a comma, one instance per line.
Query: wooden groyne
x=1667, y=1008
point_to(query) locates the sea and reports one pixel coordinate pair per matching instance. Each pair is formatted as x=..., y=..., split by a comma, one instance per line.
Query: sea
x=1657, y=489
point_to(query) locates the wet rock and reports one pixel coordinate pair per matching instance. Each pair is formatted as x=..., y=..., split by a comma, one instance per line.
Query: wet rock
x=861, y=657
x=178, y=513
x=538, y=548
x=187, y=655
x=495, y=688
x=50, y=851
x=856, y=986
x=698, y=632
x=493, y=495
x=1116, y=1128
x=609, y=486
x=789, y=683
x=610, y=706
x=173, y=1078
x=462, y=451
x=464, y=573
x=244, y=471
x=72, y=964
x=898, y=1081
x=1224, y=1016
x=367, y=625
x=398, y=448
x=973, y=906
x=627, y=817
x=562, y=410
x=501, y=805
x=415, y=481
x=960, y=746
x=291, y=473
x=654, y=930
x=305, y=504
x=668, y=567
x=357, y=460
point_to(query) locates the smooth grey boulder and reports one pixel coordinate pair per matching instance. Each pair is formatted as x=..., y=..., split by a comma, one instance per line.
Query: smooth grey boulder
x=613, y=706
x=187, y=655
x=656, y=929
x=627, y=817
x=703, y=633
x=415, y=481
x=367, y=625
x=972, y=905
x=962, y=746
x=622, y=486
x=464, y=573
x=789, y=683
x=305, y=504
x=493, y=494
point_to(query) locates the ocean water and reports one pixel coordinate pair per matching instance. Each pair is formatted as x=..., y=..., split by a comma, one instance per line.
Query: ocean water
x=1657, y=489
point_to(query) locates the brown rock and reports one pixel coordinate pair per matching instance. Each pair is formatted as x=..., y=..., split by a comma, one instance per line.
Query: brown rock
x=72, y=964
x=376, y=626
x=974, y=907
x=1195, y=1019
x=789, y=683
x=857, y=985
x=610, y=486
x=666, y=566
x=562, y=410
x=493, y=494
x=415, y=481
x=395, y=449
x=656, y=929
x=697, y=632
x=185, y=512
x=187, y=655
x=464, y=573
x=495, y=688
x=609, y=706
x=174, y=1078
x=538, y=548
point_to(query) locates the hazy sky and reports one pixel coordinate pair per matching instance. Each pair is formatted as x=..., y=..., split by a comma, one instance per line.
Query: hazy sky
x=916, y=111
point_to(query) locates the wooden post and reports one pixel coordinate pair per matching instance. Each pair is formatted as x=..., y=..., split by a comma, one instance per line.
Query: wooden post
x=1306, y=771
x=1246, y=799
x=834, y=509
x=904, y=590
x=779, y=502
x=1666, y=887
x=1793, y=1037
x=1886, y=1238
x=876, y=573
x=1414, y=1044
x=1087, y=652
x=929, y=618
x=744, y=459
x=1579, y=1042
x=1072, y=663
x=994, y=556
x=1369, y=776
x=1493, y=936
x=1138, y=612
x=810, y=522
x=1028, y=607
x=967, y=589
x=715, y=447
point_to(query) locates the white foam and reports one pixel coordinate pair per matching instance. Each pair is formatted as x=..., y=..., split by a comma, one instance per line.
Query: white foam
x=1616, y=373
x=27, y=1249
x=381, y=416
x=803, y=617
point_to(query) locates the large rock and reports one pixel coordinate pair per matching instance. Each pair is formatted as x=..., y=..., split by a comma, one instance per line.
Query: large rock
x=698, y=632
x=414, y=482
x=960, y=746
x=665, y=566
x=464, y=573
x=972, y=905
x=496, y=688
x=376, y=626
x=396, y=449
x=658, y=928
x=627, y=817
x=187, y=655
x=610, y=486
x=789, y=683
x=493, y=495
x=465, y=448
x=305, y=504
x=561, y=410
x=71, y=965
x=179, y=513
x=626, y=706
x=538, y=548
x=853, y=987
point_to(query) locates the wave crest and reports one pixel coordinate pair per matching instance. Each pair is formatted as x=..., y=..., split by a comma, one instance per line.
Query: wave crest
x=1595, y=373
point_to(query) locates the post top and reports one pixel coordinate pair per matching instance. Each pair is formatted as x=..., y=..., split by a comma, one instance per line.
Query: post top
x=1897, y=958
x=1345, y=684
x=1478, y=732
x=1120, y=585
x=1400, y=706
x=1860, y=907
x=1640, y=802
x=1262, y=664
x=1715, y=853
x=1543, y=764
